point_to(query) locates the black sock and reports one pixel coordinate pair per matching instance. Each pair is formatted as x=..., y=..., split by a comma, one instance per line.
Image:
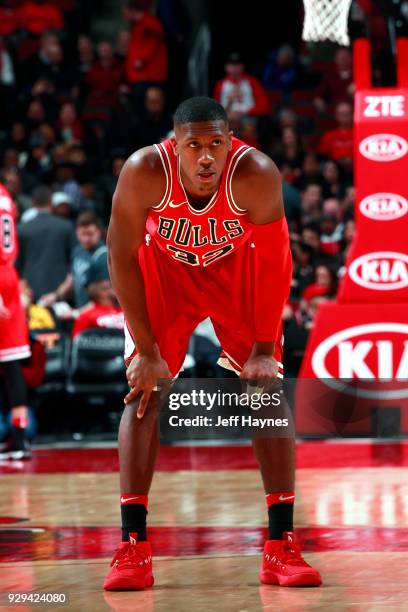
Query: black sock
x=280, y=519
x=133, y=521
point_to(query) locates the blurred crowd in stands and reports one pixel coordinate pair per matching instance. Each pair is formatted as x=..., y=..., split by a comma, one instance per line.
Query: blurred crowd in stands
x=73, y=108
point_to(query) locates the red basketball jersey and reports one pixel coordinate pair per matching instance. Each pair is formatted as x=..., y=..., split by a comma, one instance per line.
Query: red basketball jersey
x=198, y=237
x=8, y=234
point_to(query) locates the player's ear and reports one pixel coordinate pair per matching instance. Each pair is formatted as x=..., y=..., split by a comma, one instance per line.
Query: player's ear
x=174, y=144
x=230, y=135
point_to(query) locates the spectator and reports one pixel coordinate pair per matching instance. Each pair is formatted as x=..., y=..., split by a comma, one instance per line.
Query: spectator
x=303, y=267
x=282, y=70
x=310, y=172
x=336, y=85
x=307, y=314
x=103, y=312
x=103, y=81
x=38, y=16
x=338, y=144
x=155, y=122
x=311, y=202
x=89, y=260
x=43, y=90
x=289, y=159
x=325, y=282
x=334, y=183
x=69, y=126
x=12, y=182
x=38, y=317
x=331, y=233
x=240, y=93
x=17, y=137
x=52, y=66
x=147, y=53
x=62, y=205
x=122, y=45
x=86, y=54
x=310, y=235
x=36, y=165
x=10, y=159
x=66, y=181
x=46, y=243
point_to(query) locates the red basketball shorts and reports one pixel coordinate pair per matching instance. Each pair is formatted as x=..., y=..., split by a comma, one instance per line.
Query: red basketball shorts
x=13, y=331
x=180, y=296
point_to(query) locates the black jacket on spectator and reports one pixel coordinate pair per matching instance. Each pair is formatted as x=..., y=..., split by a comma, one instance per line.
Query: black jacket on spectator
x=45, y=252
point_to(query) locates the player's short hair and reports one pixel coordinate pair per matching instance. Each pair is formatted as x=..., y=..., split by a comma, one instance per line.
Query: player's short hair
x=199, y=108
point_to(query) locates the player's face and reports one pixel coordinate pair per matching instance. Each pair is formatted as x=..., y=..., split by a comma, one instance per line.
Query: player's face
x=203, y=149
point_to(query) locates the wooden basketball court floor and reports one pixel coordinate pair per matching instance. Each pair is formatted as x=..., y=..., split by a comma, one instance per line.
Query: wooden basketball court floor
x=59, y=520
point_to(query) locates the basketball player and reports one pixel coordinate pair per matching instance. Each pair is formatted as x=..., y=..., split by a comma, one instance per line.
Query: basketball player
x=217, y=245
x=14, y=344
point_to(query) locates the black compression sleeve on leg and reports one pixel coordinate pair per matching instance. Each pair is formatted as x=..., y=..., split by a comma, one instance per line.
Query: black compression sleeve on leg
x=15, y=386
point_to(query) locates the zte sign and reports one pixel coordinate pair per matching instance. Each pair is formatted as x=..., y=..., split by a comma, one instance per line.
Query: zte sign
x=383, y=147
x=380, y=271
x=371, y=351
x=384, y=106
x=384, y=206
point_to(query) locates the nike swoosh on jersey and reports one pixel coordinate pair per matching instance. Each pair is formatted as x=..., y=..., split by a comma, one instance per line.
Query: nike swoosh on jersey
x=174, y=205
x=282, y=498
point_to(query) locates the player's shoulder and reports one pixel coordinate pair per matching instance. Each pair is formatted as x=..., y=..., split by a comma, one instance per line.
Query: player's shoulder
x=258, y=167
x=144, y=161
x=143, y=176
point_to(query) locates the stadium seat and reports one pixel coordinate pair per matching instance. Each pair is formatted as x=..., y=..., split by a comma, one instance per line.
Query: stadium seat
x=57, y=345
x=96, y=369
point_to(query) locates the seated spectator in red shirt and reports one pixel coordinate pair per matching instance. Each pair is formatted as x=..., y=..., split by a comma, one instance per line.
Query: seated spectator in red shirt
x=336, y=84
x=338, y=144
x=104, y=312
x=147, y=52
x=39, y=16
x=103, y=82
x=239, y=92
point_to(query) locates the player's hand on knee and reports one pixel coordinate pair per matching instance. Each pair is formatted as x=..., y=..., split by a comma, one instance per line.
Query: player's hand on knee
x=143, y=374
x=260, y=367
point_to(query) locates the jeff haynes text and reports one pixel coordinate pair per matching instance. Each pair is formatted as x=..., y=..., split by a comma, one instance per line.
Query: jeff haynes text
x=232, y=421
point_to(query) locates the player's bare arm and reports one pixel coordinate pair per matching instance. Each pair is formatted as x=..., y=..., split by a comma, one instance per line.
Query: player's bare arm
x=257, y=188
x=140, y=186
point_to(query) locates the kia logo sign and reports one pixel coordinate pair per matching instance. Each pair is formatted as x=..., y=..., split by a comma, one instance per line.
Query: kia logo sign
x=383, y=147
x=384, y=206
x=381, y=271
x=366, y=352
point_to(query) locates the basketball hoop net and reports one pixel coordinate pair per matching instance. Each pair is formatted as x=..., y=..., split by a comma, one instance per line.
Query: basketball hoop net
x=326, y=20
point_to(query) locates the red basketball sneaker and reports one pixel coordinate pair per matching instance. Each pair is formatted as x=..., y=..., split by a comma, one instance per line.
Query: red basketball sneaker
x=283, y=564
x=131, y=567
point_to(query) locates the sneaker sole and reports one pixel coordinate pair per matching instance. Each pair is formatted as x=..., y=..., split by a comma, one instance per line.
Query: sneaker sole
x=299, y=580
x=149, y=582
